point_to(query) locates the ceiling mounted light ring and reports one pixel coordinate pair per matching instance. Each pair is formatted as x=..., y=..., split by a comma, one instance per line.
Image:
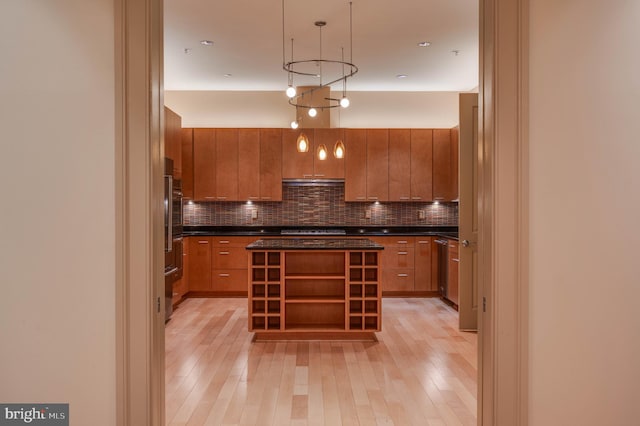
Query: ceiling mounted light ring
x=293, y=68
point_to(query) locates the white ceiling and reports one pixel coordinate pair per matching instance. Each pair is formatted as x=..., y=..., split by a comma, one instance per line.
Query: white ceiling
x=248, y=43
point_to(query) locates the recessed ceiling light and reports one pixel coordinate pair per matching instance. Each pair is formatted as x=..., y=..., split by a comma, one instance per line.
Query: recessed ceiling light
x=206, y=42
x=228, y=75
x=424, y=44
x=402, y=76
x=187, y=50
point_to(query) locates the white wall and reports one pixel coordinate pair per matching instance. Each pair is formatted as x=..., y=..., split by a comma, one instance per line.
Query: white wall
x=57, y=307
x=585, y=211
x=271, y=109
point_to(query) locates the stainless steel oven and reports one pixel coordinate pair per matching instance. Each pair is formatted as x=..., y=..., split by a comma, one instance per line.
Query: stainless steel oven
x=173, y=247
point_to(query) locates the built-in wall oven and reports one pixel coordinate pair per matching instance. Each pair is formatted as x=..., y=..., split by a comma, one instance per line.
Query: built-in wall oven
x=173, y=247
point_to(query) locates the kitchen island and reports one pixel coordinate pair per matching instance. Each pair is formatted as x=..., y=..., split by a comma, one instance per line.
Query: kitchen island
x=307, y=288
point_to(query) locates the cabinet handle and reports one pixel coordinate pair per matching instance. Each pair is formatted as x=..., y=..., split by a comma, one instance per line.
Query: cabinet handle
x=222, y=198
x=223, y=242
x=423, y=242
x=416, y=198
x=402, y=252
x=402, y=242
x=265, y=198
x=373, y=198
x=224, y=253
x=361, y=198
x=403, y=275
x=210, y=198
x=438, y=198
x=251, y=197
x=319, y=175
x=223, y=275
x=404, y=198
x=456, y=260
x=306, y=176
x=452, y=246
x=203, y=242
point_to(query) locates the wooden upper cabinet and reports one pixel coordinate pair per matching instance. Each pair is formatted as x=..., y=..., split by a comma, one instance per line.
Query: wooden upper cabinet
x=377, y=164
x=249, y=164
x=204, y=164
x=226, y=168
x=355, y=182
x=443, y=166
x=187, y=163
x=331, y=167
x=271, y=164
x=296, y=165
x=400, y=165
x=172, y=141
x=421, y=164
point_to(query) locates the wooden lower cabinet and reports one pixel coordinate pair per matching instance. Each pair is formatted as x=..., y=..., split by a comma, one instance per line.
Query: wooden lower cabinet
x=199, y=263
x=217, y=266
x=406, y=266
x=307, y=293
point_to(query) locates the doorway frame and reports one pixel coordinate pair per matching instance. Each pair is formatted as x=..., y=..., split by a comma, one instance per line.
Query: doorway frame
x=503, y=198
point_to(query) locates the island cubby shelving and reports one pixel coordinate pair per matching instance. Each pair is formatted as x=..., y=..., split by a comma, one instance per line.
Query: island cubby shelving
x=322, y=293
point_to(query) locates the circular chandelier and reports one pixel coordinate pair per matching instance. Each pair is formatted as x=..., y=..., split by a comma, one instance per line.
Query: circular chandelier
x=295, y=67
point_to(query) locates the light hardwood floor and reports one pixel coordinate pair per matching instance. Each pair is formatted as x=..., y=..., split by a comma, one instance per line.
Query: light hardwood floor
x=422, y=371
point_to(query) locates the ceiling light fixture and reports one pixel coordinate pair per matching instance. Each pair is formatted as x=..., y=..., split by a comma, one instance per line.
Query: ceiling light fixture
x=424, y=44
x=301, y=68
x=206, y=42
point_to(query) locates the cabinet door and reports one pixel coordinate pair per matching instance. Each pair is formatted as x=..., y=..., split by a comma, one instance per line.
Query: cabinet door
x=378, y=164
x=172, y=141
x=187, y=163
x=454, y=261
x=442, y=165
x=421, y=164
x=204, y=164
x=227, y=164
x=423, y=265
x=331, y=167
x=271, y=164
x=355, y=157
x=249, y=164
x=199, y=264
x=400, y=164
x=296, y=165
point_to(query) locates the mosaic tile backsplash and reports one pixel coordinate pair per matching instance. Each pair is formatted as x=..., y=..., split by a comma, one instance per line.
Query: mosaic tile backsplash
x=319, y=205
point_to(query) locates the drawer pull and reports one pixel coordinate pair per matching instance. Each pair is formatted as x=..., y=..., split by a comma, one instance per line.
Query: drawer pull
x=404, y=198
x=224, y=253
x=203, y=242
x=223, y=275
x=222, y=198
x=456, y=260
x=210, y=198
x=403, y=253
x=416, y=198
x=423, y=242
x=361, y=198
x=223, y=242
x=403, y=275
x=402, y=242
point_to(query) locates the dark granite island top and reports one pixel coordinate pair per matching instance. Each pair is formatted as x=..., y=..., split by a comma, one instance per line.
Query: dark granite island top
x=315, y=244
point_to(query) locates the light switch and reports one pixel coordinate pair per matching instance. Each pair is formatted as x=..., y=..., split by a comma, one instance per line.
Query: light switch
x=254, y=213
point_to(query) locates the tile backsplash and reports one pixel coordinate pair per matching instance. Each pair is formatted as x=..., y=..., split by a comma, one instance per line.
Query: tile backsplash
x=319, y=205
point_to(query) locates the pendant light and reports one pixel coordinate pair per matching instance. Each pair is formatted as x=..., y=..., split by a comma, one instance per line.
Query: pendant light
x=338, y=149
x=302, y=143
x=322, y=152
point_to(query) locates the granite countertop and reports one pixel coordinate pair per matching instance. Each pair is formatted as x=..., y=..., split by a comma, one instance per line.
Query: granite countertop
x=334, y=231
x=315, y=244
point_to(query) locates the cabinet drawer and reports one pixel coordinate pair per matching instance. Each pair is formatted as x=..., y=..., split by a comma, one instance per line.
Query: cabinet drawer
x=230, y=280
x=398, y=279
x=220, y=242
x=230, y=258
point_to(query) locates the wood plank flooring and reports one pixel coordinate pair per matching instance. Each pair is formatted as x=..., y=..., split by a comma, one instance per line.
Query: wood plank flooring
x=422, y=371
